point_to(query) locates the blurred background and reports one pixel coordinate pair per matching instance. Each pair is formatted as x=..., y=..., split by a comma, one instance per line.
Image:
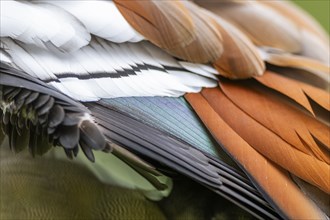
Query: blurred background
x=319, y=9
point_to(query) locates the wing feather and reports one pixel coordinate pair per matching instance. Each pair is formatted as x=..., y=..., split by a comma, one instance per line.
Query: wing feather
x=271, y=179
x=298, y=91
x=172, y=25
x=258, y=23
x=276, y=115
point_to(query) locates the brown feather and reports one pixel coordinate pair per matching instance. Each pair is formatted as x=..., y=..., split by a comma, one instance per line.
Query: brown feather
x=297, y=91
x=264, y=26
x=280, y=58
x=158, y=25
x=206, y=37
x=208, y=43
x=179, y=28
x=314, y=40
x=299, y=17
x=301, y=76
x=274, y=181
x=277, y=116
x=321, y=97
x=240, y=58
x=267, y=142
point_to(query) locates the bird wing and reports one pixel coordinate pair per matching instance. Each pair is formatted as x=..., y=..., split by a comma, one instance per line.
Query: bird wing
x=273, y=123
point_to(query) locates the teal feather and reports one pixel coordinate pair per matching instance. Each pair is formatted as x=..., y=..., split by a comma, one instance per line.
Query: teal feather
x=171, y=115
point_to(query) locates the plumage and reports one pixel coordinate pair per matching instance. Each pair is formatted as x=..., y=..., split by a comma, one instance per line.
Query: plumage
x=298, y=91
x=314, y=39
x=266, y=31
x=277, y=149
x=65, y=32
x=113, y=26
x=101, y=64
x=240, y=58
x=173, y=106
x=280, y=190
x=175, y=27
x=280, y=58
x=300, y=17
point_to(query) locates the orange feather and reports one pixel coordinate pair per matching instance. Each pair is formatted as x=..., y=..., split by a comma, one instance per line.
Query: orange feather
x=273, y=180
x=298, y=91
x=267, y=142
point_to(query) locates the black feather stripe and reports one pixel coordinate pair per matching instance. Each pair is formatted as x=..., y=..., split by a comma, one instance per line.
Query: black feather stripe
x=125, y=72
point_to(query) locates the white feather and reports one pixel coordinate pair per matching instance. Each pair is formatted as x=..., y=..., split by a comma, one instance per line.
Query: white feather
x=12, y=22
x=121, y=59
x=109, y=55
x=144, y=56
x=4, y=57
x=209, y=68
x=93, y=69
x=42, y=24
x=198, y=68
x=78, y=89
x=193, y=80
x=102, y=19
x=23, y=59
x=161, y=56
